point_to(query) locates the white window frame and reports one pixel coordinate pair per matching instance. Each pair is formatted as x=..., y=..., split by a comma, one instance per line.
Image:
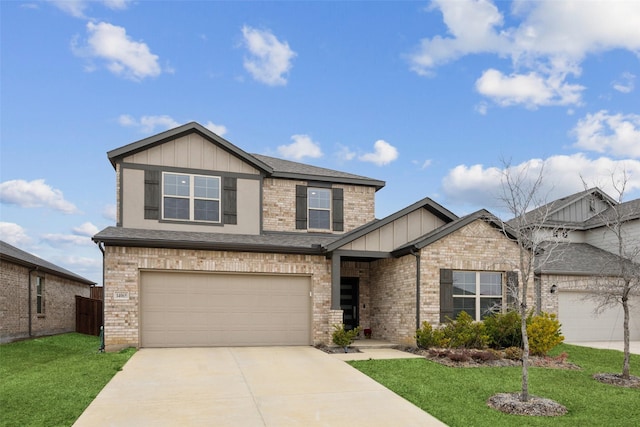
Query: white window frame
x=310, y=208
x=478, y=296
x=192, y=197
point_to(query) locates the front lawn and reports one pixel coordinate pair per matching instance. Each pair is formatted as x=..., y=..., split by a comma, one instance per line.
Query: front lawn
x=50, y=381
x=458, y=396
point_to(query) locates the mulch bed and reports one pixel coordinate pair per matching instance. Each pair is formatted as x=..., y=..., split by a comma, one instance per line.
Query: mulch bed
x=472, y=358
x=510, y=403
x=617, y=380
x=336, y=350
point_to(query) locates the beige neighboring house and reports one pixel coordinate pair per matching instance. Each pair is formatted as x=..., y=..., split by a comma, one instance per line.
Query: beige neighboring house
x=584, y=253
x=36, y=297
x=214, y=246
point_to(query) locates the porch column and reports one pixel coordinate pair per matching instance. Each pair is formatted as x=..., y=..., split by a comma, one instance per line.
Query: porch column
x=335, y=282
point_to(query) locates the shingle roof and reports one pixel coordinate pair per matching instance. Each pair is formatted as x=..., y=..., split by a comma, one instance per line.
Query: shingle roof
x=288, y=169
x=18, y=256
x=271, y=166
x=545, y=211
x=580, y=259
x=278, y=242
x=628, y=211
x=447, y=229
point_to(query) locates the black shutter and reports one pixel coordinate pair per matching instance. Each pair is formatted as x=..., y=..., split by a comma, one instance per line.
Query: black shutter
x=512, y=290
x=338, y=209
x=446, y=295
x=230, y=200
x=301, y=207
x=152, y=194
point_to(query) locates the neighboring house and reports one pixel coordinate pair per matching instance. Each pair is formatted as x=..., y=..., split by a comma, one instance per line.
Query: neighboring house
x=36, y=297
x=583, y=251
x=214, y=246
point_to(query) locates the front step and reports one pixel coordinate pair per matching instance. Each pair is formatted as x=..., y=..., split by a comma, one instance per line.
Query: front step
x=365, y=343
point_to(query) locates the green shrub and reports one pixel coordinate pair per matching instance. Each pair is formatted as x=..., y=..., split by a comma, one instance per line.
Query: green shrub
x=464, y=332
x=427, y=337
x=344, y=338
x=544, y=333
x=504, y=330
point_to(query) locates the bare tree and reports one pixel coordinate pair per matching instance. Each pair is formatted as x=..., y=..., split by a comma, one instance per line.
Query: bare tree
x=616, y=290
x=522, y=196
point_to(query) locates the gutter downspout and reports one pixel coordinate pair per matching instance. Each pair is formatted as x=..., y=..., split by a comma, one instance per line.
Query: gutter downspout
x=29, y=304
x=101, y=247
x=416, y=253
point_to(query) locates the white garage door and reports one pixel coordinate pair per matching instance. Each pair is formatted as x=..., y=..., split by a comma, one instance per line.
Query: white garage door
x=203, y=310
x=579, y=323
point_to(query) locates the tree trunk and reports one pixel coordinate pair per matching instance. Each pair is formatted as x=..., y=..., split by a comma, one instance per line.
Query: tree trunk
x=625, y=363
x=525, y=353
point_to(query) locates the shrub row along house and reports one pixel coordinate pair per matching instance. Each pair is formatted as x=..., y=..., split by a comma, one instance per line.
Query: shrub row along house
x=214, y=246
x=36, y=297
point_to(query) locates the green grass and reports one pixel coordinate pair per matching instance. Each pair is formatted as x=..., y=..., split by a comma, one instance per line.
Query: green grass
x=458, y=396
x=50, y=381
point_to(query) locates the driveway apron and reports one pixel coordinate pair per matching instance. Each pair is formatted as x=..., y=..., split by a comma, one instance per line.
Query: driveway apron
x=246, y=386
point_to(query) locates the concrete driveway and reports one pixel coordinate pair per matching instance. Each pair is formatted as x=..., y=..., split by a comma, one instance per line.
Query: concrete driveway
x=246, y=386
x=634, y=346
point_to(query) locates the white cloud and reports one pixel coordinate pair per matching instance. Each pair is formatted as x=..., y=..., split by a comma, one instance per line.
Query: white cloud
x=530, y=89
x=546, y=46
x=14, y=234
x=35, y=194
x=123, y=56
x=109, y=212
x=76, y=8
x=219, y=130
x=480, y=186
x=66, y=239
x=86, y=229
x=148, y=124
x=301, y=147
x=426, y=164
x=344, y=153
x=79, y=264
x=270, y=59
x=626, y=83
x=617, y=134
x=383, y=153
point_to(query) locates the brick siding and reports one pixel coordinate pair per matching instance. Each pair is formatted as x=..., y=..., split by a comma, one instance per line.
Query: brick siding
x=123, y=265
x=279, y=205
x=59, y=303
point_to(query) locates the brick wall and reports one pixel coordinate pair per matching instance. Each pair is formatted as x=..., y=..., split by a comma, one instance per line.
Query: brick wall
x=476, y=247
x=122, y=274
x=279, y=205
x=59, y=303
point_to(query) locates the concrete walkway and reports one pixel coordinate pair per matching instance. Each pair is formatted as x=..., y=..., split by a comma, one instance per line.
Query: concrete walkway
x=246, y=386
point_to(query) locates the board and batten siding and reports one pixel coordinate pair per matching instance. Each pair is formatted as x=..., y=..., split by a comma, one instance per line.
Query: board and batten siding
x=579, y=211
x=192, y=152
x=397, y=233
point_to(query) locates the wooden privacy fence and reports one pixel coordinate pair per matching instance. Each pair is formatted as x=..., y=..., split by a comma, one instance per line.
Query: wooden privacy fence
x=97, y=292
x=88, y=315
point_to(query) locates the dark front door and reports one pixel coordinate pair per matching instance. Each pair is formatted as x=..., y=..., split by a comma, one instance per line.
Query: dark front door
x=349, y=302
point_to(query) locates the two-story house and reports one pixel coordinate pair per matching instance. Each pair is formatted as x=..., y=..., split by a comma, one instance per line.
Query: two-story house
x=584, y=254
x=214, y=246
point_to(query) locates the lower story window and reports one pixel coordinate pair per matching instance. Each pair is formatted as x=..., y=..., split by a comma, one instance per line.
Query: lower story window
x=39, y=295
x=476, y=292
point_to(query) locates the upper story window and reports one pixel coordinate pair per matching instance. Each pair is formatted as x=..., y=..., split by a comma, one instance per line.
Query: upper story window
x=319, y=200
x=478, y=293
x=190, y=197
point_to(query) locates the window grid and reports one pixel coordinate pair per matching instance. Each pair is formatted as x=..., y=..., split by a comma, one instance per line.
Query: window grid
x=191, y=197
x=319, y=208
x=476, y=292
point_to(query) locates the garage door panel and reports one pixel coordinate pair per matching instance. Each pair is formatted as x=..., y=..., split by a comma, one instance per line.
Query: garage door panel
x=579, y=322
x=191, y=309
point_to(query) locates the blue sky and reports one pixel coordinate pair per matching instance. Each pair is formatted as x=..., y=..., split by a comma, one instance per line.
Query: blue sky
x=432, y=97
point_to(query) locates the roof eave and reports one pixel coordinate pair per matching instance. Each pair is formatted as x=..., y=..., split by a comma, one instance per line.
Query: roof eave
x=146, y=143
x=38, y=267
x=232, y=247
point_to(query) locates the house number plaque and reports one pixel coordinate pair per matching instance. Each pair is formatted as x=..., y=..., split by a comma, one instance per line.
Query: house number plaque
x=121, y=295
